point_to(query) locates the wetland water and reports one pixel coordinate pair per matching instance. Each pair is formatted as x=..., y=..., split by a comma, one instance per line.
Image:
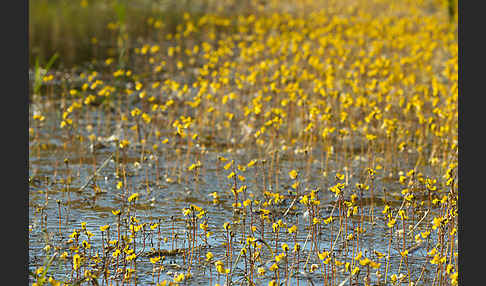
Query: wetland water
x=285, y=149
x=165, y=189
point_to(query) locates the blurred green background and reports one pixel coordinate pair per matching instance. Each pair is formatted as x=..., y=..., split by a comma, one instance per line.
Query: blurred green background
x=82, y=31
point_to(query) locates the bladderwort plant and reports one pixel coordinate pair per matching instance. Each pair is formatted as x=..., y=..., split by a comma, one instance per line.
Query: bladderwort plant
x=314, y=145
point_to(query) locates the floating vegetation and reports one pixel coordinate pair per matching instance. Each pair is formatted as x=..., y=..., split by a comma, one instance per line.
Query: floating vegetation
x=265, y=143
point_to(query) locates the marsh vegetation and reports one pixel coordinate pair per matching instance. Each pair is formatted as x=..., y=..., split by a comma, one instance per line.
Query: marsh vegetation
x=243, y=143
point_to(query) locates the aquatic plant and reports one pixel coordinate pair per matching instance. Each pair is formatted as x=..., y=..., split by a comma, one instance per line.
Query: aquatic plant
x=280, y=143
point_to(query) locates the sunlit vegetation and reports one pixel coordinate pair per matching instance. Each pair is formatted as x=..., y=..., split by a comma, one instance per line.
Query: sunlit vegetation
x=244, y=143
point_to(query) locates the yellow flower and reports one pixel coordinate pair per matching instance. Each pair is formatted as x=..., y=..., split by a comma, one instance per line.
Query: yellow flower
x=402, y=215
x=273, y=267
x=135, y=112
x=179, y=277
x=375, y=265
x=226, y=226
x=436, y=260
x=203, y=226
x=454, y=278
x=39, y=270
x=76, y=261
x=386, y=208
x=133, y=197
x=323, y=255
x=53, y=282
x=186, y=212
x=295, y=185
x=116, y=253
x=75, y=234
x=436, y=222
x=64, y=255
x=124, y=143
x=449, y=268
x=227, y=166
x=293, y=174
x=220, y=267
x=304, y=200
x=86, y=244
x=209, y=256
x=432, y=252
x=358, y=256
x=297, y=247
x=154, y=259
x=339, y=176
x=246, y=202
x=328, y=220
